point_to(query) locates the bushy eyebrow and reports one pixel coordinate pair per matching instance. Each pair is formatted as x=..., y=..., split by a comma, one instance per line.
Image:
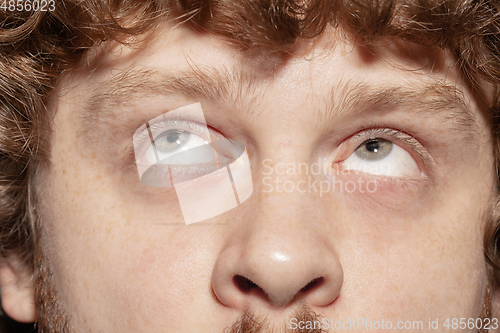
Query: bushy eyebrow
x=443, y=102
x=130, y=86
x=437, y=100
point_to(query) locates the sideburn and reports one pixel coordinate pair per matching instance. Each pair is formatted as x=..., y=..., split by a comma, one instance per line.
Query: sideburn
x=50, y=316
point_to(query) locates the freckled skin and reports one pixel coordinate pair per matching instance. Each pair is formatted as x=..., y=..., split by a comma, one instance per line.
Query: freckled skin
x=407, y=252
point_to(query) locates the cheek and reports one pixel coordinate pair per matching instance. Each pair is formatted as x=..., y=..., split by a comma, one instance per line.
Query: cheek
x=420, y=275
x=115, y=252
x=412, y=274
x=414, y=251
x=110, y=261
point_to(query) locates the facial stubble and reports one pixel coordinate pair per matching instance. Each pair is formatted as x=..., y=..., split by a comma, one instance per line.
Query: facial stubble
x=52, y=317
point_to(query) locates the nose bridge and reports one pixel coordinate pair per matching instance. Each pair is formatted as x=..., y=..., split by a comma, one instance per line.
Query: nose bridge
x=287, y=209
x=287, y=181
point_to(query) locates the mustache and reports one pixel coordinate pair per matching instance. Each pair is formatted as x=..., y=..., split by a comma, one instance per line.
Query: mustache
x=249, y=323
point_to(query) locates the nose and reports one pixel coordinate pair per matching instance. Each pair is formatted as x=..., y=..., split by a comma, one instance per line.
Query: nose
x=283, y=254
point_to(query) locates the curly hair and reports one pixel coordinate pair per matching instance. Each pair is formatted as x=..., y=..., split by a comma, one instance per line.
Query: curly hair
x=37, y=47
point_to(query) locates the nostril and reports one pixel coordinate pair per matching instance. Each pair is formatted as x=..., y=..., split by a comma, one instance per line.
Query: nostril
x=244, y=283
x=312, y=284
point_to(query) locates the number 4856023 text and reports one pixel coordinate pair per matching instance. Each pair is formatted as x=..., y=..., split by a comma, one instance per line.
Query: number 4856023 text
x=28, y=5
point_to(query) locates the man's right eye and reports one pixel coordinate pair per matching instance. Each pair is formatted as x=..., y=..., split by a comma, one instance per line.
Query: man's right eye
x=179, y=146
x=176, y=141
x=181, y=150
x=171, y=140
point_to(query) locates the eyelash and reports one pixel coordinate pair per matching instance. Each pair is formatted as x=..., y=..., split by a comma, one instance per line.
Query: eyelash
x=399, y=136
x=189, y=126
x=143, y=138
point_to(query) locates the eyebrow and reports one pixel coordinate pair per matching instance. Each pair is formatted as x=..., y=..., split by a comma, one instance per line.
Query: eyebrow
x=134, y=85
x=437, y=100
x=445, y=102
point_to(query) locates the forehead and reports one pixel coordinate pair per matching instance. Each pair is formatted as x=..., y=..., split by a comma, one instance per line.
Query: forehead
x=312, y=61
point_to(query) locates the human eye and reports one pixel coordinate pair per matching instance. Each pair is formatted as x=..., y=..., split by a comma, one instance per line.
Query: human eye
x=179, y=146
x=378, y=155
x=168, y=139
x=174, y=151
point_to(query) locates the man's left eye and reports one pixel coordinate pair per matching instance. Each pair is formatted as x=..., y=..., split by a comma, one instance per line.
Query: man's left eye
x=381, y=157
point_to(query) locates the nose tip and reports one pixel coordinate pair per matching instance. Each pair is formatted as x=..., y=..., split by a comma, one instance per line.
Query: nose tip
x=276, y=279
x=280, y=252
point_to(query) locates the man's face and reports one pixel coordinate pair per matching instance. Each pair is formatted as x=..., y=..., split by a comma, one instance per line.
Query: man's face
x=371, y=175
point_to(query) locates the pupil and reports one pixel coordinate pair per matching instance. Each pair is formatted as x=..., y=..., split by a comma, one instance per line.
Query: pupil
x=372, y=146
x=173, y=137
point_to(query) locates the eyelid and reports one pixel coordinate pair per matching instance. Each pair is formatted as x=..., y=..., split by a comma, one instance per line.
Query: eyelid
x=423, y=157
x=151, y=131
x=192, y=127
x=142, y=141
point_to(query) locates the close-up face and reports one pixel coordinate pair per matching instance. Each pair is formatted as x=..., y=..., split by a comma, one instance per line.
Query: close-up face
x=372, y=172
